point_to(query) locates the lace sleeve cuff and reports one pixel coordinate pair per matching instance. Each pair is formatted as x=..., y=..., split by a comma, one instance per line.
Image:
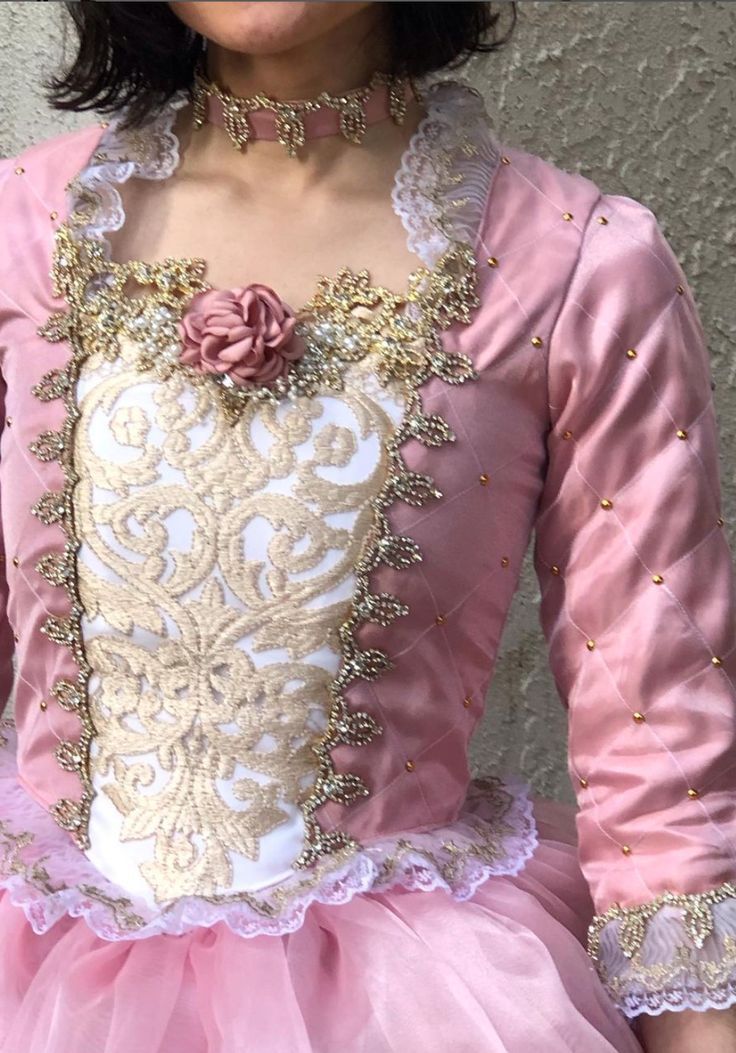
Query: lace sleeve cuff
x=676, y=952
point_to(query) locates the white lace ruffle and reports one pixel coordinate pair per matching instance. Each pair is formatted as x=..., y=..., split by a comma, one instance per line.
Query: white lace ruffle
x=677, y=952
x=440, y=188
x=48, y=877
x=120, y=155
x=454, y=137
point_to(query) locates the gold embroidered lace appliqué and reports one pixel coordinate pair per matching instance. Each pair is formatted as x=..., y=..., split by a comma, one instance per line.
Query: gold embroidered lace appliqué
x=179, y=676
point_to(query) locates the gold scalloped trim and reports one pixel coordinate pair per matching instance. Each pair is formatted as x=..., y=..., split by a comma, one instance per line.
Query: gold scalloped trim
x=88, y=322
x=409, y=348
x=651, y=983
x=634, y=921
x=59, y=570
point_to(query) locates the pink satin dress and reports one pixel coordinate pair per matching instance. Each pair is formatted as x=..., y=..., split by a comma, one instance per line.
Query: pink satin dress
x=256, y=575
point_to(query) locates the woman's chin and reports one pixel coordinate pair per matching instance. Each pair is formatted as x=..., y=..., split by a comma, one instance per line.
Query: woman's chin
x=264, y=29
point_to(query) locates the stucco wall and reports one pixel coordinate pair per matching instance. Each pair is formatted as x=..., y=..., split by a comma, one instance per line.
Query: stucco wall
x=639, y=97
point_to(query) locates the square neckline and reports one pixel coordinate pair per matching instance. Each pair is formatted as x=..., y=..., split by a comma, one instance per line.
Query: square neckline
x=417, y=279
x=441, y=192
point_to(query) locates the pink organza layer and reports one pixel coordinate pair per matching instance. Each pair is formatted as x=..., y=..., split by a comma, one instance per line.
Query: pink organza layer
x=390, y=972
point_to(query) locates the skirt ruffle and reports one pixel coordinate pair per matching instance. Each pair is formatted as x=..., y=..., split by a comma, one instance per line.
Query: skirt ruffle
x=398, y=971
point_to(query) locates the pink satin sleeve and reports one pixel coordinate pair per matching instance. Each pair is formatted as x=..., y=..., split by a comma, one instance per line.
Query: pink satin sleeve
x=639, y=612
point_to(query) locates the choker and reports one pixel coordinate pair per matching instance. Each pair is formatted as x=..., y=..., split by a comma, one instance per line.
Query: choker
x=292, y=123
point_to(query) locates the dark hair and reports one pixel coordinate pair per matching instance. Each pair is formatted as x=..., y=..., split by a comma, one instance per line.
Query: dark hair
x=137, y=55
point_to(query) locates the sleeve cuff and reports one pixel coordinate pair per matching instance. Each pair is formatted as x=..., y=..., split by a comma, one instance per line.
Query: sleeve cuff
x=675, y=952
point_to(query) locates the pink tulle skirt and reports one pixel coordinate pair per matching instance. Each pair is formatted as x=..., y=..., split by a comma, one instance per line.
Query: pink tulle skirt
x=390, y=972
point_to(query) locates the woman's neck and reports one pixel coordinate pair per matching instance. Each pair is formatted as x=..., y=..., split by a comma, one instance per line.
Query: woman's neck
x=339, y=60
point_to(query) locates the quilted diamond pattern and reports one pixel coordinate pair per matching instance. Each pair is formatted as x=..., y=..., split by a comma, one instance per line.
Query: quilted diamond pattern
x=640, y=618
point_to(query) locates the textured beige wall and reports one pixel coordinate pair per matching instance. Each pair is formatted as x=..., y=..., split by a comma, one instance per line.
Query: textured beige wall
x=639, y=97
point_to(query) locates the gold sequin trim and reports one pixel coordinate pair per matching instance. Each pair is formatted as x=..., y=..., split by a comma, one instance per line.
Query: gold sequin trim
x=346, y=319
x=410, y=349
x=632, y=926
x=58, y=568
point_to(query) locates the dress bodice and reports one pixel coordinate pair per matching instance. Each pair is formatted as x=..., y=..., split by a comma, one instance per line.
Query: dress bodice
x=255, y=627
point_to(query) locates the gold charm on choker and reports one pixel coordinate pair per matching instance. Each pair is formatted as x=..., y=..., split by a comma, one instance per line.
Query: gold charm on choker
x=343, y=114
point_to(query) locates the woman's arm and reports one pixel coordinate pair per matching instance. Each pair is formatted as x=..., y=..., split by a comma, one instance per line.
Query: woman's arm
x=712, y=1031
x=638, y=607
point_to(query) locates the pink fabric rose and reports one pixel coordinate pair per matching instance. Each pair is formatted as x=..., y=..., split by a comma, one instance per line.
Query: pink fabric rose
x=247, y=333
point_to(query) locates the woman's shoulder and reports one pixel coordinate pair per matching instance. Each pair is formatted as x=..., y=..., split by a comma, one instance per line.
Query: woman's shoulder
x=542, y=186
x=524, y=203
x=539, y=204
x=33, y=196
x=534, y=174
x=41, y=170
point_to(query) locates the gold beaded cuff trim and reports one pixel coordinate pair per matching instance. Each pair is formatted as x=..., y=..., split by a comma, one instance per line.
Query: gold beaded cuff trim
x=676, y=951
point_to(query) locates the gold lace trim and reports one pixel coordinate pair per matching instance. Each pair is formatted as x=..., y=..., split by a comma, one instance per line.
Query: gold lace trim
x=37, y=877
x=408, y=347
x=346, y=320
x=59, y=569
x=448, y=860
x=632, y=925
